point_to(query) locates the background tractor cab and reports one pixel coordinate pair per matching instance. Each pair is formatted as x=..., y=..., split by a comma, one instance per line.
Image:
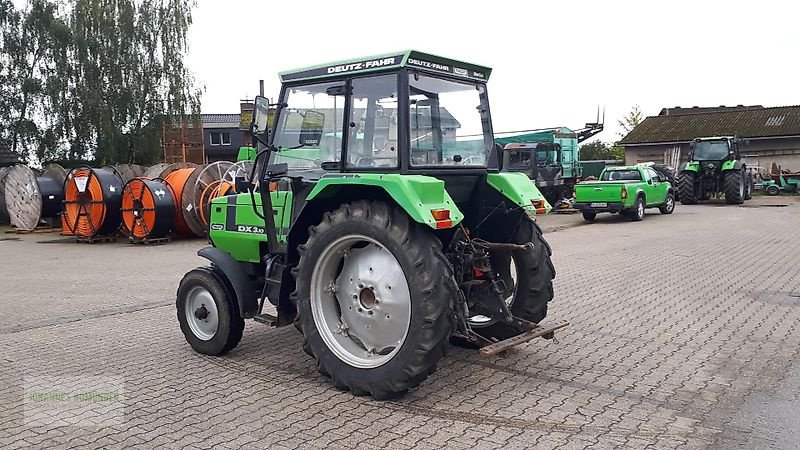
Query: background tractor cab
x=541, y=162
x=376, y=220
x=715, y=166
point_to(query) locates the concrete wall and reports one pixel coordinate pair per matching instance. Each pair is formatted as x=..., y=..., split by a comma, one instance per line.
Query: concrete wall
x=760, y=152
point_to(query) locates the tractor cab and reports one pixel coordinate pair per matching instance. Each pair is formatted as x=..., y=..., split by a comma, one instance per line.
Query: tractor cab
x=540, y=161
x=377, y=220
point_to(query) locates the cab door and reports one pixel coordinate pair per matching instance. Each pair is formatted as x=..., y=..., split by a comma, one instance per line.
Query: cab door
x=656, y=189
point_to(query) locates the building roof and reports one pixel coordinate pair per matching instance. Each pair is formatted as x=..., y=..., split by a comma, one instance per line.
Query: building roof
x=677, y=110
x=744, y=121
x=7, y=157
x=395, y=60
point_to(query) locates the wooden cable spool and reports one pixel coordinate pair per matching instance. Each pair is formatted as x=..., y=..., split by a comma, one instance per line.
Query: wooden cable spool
x=161, y=170
x=4, y=219
x=92, y=202
x=148, y=208
x=127, y=172
x=30, y=197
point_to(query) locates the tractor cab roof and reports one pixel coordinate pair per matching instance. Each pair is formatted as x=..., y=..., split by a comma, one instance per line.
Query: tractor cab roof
x=390, y=61
x=714, y=138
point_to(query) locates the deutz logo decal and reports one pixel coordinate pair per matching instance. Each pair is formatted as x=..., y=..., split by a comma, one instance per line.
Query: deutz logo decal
x=361, y=65
x=249, y=229
x=217, y=226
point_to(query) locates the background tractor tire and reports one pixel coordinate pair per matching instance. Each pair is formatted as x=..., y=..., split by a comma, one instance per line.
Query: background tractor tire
x=589, y=216
x=533, y=288
x=431, y=289
x=669, y=205
x=734, y=186
x=748, y=187
x=686, y=188
x=203, y=299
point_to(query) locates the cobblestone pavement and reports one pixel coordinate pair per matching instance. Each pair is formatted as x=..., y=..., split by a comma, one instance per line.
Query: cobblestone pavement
x=685, y=332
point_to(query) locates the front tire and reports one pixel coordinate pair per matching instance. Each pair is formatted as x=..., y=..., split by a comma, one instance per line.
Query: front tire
x=208, y=313
x=773, y=190
x=734, y=186
x=686, y=188
x=373, y=294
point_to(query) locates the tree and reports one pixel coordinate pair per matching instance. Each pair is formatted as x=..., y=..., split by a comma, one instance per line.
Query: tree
x=94, y=79
x=630, y=121
x=598, y=150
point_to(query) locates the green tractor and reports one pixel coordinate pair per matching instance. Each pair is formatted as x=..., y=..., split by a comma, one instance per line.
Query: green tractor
x=714, y=167
x=378, y=221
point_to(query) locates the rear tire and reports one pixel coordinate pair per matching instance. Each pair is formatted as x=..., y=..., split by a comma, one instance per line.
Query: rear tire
x=748, y=187
x=686, y=188
x=734, y=187
x=637, y=213
x=589, y=216
x=208, y=313
x=669, y=205
x=426, y=281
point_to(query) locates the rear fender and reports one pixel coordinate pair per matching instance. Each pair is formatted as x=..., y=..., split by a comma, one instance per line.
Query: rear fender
x=733, y=165
x=691, y=166
x=520, y=190
x=418, y=195
x=235, y=272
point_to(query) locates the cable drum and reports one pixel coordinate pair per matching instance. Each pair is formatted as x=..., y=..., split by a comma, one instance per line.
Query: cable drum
x=148, y=208
x=180, y=180
x=161, y=170
x=127, y=172
x=92, y=202
x=209, y=184
x=30, y=197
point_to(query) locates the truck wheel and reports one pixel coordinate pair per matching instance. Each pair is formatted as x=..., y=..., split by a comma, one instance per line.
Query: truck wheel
x=589, y=216
x=373, y=294
x=773, y=190
x=636, y=213
x=686, y=191
x=668, y=206
x=734, y=187
x=208, y=313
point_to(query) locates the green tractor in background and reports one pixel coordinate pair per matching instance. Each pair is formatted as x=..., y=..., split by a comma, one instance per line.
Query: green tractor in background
x=377, y=223
x=715, y=166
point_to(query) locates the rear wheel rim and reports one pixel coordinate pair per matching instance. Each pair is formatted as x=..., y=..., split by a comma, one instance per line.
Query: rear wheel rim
x=360, y=301
x=640, y=209
x=201, y=313
x=670, y=203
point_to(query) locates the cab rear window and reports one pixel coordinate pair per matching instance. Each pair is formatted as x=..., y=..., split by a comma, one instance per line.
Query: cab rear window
x=621, y=175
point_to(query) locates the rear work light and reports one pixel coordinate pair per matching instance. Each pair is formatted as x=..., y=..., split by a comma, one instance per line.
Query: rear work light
x=442, y=218
x=624, y=193
x=538, y=204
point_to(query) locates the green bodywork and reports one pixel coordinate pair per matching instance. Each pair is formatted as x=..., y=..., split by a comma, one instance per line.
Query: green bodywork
x=235, y=227
x=654, y=191
x=694, y=166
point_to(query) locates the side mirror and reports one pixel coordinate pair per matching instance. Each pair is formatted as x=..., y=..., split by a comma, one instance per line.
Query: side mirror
x=260, y=123
x=311, y=128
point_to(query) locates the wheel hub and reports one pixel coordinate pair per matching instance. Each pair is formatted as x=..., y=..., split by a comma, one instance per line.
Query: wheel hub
x=360, y=301
x=201, y=313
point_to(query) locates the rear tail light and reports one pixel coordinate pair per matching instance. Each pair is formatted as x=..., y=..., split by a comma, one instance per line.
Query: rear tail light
x=442, y=218
x=539, y=206
x=624, y=193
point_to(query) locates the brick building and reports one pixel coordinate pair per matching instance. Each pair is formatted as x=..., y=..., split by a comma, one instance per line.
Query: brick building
x=770, y=135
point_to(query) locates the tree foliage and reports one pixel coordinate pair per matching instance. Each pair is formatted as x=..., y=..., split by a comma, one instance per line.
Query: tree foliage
x=630, y=121
x=94, y=79
x=599, y=150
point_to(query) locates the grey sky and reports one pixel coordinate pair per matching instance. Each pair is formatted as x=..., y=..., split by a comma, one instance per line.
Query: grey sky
x=553, y=62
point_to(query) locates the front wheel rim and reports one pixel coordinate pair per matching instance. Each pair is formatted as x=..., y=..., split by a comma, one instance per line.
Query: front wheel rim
x=201, y=313
x=670, y=203
x=360, y=301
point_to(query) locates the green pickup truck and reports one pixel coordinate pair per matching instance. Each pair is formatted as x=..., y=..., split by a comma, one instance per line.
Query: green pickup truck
x=625, y=190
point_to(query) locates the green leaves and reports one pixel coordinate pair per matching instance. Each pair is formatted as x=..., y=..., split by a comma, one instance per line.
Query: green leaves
x=94, y=79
